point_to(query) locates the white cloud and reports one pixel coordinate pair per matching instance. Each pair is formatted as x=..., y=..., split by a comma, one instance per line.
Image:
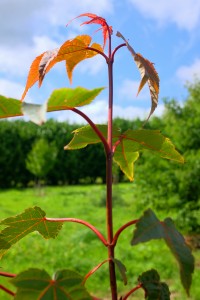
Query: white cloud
x=97, y=111
x=10, y=89
x=187, y=73
x=128, y=90
x=184, y=13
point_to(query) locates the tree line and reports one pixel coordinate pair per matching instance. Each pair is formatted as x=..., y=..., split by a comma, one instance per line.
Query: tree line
x=163, y=183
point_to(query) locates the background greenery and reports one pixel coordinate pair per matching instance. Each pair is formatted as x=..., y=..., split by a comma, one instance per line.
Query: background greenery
x=78, y=248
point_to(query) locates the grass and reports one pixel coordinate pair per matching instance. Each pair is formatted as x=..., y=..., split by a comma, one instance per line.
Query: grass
x=78, y=248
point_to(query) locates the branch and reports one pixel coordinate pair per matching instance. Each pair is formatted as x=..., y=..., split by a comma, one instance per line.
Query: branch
x=5, y=274
x=98, y=51
x=119, y=231
x=94, y=127
x=132, y=291
x=116, y=49
x=94, y=270
x=7, y=290
x=100, y=236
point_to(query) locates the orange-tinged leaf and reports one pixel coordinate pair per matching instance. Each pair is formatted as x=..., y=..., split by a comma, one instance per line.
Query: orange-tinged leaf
x=148, y=74
x=33, y=75
x=76, y=50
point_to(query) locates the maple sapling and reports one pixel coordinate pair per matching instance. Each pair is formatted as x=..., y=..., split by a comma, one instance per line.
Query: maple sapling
x=123, y=148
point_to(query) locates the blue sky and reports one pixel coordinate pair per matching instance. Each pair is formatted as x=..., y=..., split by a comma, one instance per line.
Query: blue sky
x=166, y=32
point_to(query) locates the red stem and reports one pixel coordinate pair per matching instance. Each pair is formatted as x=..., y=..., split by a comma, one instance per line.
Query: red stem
x=132, y=291
x=119, y=231
x=109, y=205
x=100, y=236
x=99, y=52
x=94, y=127
x=116, y=49
x=5, y=274
x=94, y=270
x=7, y=290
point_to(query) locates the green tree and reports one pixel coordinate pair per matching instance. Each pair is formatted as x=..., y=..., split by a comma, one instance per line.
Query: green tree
x=41, y=158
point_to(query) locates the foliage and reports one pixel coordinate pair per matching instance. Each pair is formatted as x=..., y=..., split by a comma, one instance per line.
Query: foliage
x=123, y=147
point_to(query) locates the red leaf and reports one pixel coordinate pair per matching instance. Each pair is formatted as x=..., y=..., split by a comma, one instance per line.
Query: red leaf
x=106, y=29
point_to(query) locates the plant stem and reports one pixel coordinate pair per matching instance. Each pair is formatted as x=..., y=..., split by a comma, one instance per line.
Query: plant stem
x=109, y=213
x=94, y=229
x=7, y=290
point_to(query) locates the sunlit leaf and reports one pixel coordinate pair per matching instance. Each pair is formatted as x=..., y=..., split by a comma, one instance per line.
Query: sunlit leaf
x=46, y=63
x=154, y=289
x=33, y=75
x=35, y=112
x=75, y=51
x=148, y=74
x=94, y=19
x=85, y=135
x=9, y=107
x=32, y=219
x=35, y=284
x=66, y=98
x=150, y=227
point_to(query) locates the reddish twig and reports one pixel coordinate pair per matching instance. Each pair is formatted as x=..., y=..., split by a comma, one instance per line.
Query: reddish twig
x=100, y=236
x=94, y=270
x=116, y=49
x=94, y=127
x=7, y=290
x=132, y=291
x=119, y=231
x=5, y=274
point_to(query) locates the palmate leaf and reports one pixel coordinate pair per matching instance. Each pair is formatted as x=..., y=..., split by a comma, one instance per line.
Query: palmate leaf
x=32, y=219
x=35, y=284
x=76, y=51
x=61, y=99
x=72, y=51
x=154, y=289
x=127, y=145
x=148, y=74
x=94, y=19
x=9, y=107
x=150, y=227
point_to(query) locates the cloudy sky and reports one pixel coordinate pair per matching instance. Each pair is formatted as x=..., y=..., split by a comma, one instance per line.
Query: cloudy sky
x=166, y=32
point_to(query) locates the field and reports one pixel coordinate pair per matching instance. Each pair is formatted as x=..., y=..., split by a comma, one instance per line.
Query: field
x=78, y=248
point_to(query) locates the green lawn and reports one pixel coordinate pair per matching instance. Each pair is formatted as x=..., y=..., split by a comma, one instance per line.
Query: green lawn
x=78, y=248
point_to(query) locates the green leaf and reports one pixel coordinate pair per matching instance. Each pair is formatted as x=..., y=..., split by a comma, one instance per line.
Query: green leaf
x=67, y=98
x=154, y=289
x=35, y=284
x=9, y=107
x=85, y=135
x=32, y=219
x=149, y=227
x=122, y=269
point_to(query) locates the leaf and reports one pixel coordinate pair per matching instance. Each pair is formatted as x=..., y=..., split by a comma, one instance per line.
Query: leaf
x=33, y=75
x=85, y=135
x=9, y=107
x=72, y=51
x=67, y=98
x=122, y=269
x=75, y=51
x=148, y=74
x=149, y=227
x=154, y=289
x=47, y=61
x=61, y=99
x=35, y=284
x=94, y=19
x=32, y=219
x=35, y=112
